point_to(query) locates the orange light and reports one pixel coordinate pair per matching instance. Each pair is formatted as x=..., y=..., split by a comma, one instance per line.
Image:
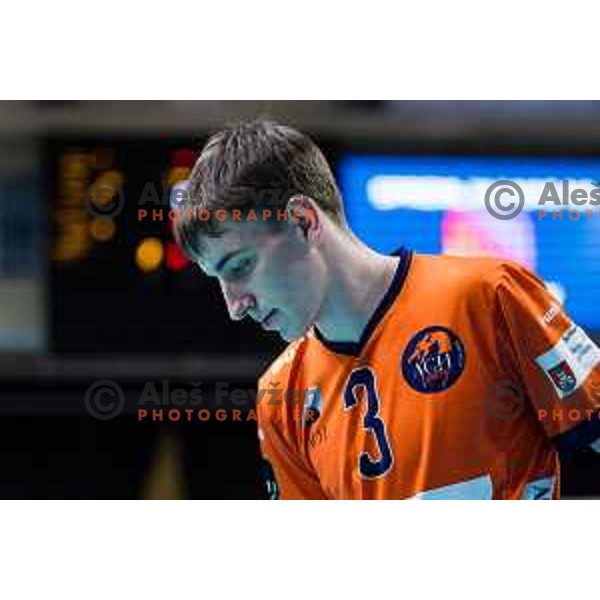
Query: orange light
x=149, y=254
x=102, y=230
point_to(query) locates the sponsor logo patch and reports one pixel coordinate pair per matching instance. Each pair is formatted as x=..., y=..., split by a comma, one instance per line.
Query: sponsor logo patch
x=550, y=314
x=563, y=377
x=570, y=361
x=433, y=359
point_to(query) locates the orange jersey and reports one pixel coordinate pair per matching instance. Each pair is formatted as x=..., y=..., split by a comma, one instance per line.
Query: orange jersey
x=467, y=379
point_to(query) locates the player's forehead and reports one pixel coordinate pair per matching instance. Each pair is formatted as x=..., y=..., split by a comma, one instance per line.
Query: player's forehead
x=234, y=239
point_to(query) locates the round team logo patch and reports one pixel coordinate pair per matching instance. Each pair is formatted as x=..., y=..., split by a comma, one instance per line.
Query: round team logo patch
x=433, y=360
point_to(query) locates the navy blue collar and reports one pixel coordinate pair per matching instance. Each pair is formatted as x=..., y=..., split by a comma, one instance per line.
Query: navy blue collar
x=355, y=348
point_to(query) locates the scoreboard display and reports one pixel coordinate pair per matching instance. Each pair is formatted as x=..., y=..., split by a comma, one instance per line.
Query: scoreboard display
x=117, y=281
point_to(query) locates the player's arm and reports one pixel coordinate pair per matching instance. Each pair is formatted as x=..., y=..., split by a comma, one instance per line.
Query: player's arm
x=284, y=472
x=556, y=362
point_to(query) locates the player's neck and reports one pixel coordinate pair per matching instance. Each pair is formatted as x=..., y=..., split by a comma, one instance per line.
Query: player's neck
x=358, y=280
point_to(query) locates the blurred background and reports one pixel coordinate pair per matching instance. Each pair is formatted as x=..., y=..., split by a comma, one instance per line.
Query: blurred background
x=88, y=297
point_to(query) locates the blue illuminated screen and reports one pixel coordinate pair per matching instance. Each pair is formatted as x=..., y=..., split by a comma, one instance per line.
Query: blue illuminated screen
x=435, y=204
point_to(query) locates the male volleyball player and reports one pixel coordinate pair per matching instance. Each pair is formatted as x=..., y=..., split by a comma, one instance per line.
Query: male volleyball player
x=406, y=376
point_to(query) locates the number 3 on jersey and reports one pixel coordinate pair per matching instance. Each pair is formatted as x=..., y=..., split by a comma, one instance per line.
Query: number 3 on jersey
x=368, y=467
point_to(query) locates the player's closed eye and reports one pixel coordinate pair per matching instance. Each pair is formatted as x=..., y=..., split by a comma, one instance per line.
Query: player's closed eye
x=241, y=268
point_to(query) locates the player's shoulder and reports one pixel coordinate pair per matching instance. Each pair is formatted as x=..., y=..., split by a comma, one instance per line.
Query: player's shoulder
x=478, y=275
x=496, y=277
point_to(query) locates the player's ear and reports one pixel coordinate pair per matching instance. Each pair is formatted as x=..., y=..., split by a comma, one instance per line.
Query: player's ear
x=303, y=214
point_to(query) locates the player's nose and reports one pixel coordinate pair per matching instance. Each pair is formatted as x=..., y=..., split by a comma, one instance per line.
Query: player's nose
x=239, y=301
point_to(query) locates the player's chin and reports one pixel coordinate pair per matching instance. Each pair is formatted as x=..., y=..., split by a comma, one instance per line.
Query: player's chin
x=299, y=331
x=286, y=337
x=291, y=329
x=290, y=332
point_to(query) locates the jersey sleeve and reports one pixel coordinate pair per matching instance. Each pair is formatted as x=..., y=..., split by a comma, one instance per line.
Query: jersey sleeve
x=288, y=474
x=557, y=364
x=285, y=470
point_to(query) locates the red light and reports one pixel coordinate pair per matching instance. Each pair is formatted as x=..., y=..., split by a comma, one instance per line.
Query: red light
x=176, y=260
x=183, y=157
